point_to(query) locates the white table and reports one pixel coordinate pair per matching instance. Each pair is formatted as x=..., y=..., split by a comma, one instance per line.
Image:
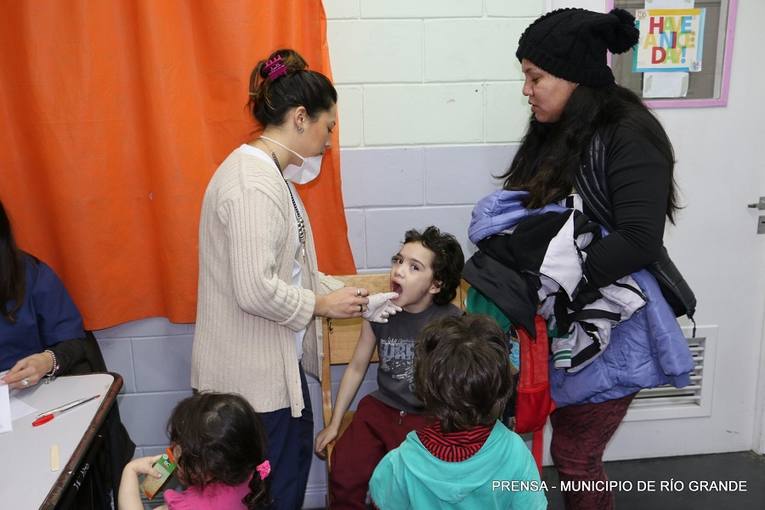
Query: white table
x=26, y=479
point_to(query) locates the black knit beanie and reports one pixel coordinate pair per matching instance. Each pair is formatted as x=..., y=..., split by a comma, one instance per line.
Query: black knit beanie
x=572, y=43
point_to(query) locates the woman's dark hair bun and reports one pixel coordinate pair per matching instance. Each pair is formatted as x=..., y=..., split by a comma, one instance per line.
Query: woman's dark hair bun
x=283, y=81
x=623, y=34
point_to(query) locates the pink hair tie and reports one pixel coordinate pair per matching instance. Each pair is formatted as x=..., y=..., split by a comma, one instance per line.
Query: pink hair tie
x=275, y=67
x=263, y=469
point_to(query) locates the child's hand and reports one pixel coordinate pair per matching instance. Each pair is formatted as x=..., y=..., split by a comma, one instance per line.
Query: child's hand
x=323, y=438
x=129, y=496
x=144, y=466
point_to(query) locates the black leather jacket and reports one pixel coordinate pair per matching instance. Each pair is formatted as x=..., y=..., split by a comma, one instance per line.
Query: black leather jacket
x=592, y=184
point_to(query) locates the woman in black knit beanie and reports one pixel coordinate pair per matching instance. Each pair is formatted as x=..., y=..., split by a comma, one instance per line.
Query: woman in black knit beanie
x=591, y=137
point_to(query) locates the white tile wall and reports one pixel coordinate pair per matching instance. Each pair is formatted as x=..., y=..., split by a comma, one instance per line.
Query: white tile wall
x=423, y=114
x=420, y=8
x=165, y=363
x=377, y=51
x=429, y=72
x=350, y=112
x=118, y=355
x=383, y=177
x=467, y=49
x=512, y=8
x=507, y=112
x=463, y=175
x=340, y=9
x=356, y=228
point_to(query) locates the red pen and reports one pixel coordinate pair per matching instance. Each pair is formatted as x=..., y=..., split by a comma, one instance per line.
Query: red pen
x=49, y=415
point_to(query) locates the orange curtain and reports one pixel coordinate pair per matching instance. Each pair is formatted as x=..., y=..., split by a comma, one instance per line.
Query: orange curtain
x=114, y=115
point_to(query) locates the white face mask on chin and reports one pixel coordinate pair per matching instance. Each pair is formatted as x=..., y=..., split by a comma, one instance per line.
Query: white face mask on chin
x=304, y=173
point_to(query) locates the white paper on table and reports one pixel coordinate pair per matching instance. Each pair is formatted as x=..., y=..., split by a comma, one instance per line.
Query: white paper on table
x=6, y=423
x=19, y=409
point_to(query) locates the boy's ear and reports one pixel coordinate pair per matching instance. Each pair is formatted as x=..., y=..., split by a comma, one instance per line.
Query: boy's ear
x=435, y=287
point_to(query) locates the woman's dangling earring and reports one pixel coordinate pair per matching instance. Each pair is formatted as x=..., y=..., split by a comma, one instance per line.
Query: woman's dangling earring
x=300, y=129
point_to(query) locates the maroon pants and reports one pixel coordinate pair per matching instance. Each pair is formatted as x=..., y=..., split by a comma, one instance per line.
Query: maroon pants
x=375, y=430
x=580, y=435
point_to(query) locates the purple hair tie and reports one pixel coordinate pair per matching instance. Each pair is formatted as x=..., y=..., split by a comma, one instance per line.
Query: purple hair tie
x=275, y=67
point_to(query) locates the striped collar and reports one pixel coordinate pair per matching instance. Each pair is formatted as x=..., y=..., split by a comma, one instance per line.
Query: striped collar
x=453, y=446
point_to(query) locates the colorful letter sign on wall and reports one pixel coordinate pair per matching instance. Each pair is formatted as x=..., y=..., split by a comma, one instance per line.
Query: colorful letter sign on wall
x=670, y=40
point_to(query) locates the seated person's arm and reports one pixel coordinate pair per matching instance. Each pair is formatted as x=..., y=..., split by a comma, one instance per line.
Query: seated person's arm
x=34, y=367
x=349, y=385
x=68, y=354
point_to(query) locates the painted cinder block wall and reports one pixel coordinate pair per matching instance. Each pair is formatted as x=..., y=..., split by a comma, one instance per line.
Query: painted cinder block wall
x=430, y=108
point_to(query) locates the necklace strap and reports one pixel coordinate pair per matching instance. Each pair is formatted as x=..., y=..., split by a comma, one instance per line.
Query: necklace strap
x=276, y=161
x=298, y=216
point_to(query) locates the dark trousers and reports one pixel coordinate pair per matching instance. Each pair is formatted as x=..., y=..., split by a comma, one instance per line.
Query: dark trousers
x=290, y=451
x=580, y=435
x=375, y=430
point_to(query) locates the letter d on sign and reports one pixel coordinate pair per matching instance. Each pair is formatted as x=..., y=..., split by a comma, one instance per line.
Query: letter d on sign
x=658, y=55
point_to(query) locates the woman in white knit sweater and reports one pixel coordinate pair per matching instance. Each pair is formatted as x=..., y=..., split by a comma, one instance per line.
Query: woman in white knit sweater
x=259, y=287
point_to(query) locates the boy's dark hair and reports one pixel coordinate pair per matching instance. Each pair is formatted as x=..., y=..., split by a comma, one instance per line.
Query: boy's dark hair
x=462, y=371
x=222, y=440
x=448, y=260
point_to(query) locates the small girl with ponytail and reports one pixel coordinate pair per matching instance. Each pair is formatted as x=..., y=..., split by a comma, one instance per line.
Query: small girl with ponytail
x=219, y=444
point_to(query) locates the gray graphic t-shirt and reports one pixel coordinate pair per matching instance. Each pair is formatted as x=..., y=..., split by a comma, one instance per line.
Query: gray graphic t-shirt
x=395, y=347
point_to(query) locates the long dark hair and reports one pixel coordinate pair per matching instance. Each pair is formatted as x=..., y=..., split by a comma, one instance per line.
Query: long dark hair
x=550, y=154
x=12, y=272
x=222, y=440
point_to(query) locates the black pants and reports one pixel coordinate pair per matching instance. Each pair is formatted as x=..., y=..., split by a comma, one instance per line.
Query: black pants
x=290, y=451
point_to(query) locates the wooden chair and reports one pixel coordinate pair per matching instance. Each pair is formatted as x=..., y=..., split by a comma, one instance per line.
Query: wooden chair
x=341, y=335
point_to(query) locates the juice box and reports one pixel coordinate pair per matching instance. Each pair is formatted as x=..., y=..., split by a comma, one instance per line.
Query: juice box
x=165, y=465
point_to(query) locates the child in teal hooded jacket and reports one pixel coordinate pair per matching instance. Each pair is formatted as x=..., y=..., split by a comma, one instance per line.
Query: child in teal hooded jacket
x=465, y=458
